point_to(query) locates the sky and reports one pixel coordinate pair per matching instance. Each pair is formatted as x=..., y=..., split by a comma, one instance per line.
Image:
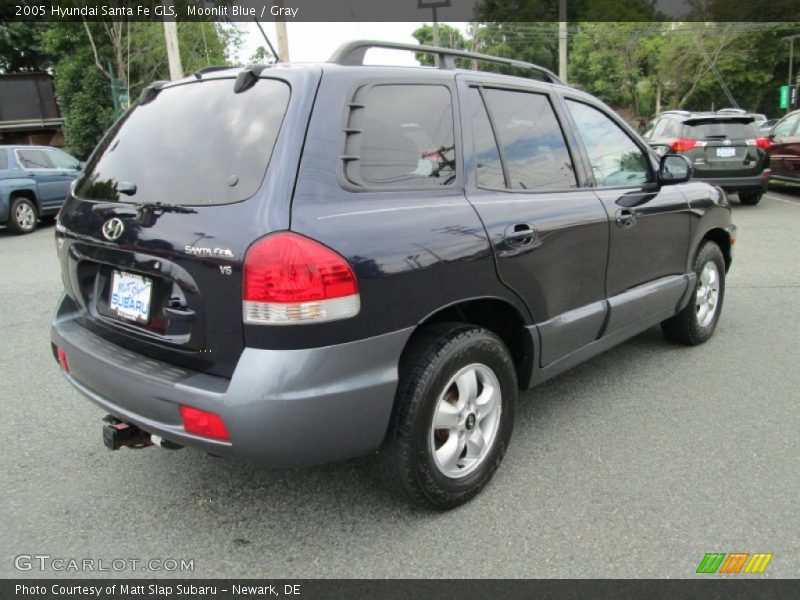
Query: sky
x=315, y=42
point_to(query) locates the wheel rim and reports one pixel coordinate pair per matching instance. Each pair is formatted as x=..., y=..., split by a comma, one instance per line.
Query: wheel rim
x=25, y=216
x=707, y=297
x=465, y=421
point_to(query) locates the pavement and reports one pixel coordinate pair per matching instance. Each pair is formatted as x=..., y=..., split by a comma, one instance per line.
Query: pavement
x=634, y=464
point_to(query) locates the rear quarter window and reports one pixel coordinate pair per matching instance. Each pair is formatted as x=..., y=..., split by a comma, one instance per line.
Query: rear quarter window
x=400, y=136
x=3, y=160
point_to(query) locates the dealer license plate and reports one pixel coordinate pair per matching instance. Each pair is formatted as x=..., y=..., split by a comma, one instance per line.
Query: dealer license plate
x=130, y=296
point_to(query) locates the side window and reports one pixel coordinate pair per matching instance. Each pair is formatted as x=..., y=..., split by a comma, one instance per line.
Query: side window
x=615, y=159
x=786, y=127
x=3, y=160
x=488, y=167
x=658, y=130
x=34, y=159
x=401, y=135
x=531, y=141
x=672, y=130
x=62, y=160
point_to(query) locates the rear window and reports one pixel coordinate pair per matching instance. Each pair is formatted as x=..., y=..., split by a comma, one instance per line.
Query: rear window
x=194, y=144
x=401, y=135
x=721, y=129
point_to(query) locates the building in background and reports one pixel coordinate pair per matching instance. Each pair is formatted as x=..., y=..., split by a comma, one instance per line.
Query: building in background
x=29, y=113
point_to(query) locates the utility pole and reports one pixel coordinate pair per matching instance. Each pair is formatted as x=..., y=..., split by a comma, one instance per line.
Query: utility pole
x=173, y=49
x=562, y=40
x=790, y=39
x=433, y=5
x=474, y=45
x=283, y=36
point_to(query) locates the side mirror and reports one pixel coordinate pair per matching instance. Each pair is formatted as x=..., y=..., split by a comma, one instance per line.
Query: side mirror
x=674, y=168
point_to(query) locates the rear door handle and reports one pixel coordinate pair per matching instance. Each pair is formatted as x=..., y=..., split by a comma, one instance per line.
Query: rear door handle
x=626, y=218
x=519, y=234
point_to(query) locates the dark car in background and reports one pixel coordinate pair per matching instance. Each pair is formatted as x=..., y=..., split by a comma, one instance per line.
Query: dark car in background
x=34, y=182
x=724, y=147
x=785, y=148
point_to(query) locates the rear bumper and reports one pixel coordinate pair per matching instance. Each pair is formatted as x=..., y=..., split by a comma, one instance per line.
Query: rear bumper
x=751, y=183
x=282, y=408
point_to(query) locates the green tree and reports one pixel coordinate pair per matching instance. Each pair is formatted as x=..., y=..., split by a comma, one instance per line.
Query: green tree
x=449, y=37
x=86, y=55
x=21, y=47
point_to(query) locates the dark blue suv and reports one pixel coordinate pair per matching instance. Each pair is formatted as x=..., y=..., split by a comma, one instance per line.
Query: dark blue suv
x=34, y=182
x=296, y=264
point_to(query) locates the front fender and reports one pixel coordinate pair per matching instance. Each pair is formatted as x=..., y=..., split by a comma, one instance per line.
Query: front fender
x=712, y=217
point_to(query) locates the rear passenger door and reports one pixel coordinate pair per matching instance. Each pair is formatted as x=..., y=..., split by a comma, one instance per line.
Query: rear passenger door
x=649, y=224
x=549, y=235
x=785, y=150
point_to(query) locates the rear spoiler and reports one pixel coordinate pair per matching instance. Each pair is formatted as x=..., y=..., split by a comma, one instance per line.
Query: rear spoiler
x=719, y=119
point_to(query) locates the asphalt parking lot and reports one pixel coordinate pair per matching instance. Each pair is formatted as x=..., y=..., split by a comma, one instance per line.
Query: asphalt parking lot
x=633, y=465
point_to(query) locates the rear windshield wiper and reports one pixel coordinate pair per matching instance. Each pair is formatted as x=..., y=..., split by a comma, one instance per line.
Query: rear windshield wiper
x=139, y=207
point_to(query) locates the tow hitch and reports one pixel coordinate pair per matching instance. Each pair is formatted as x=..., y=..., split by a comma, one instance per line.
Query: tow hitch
x=117, y=434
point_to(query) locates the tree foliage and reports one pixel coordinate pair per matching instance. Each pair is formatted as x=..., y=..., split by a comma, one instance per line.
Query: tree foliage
x=83, y=56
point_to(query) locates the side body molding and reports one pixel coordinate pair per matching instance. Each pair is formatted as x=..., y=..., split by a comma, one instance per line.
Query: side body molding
x=613, y=321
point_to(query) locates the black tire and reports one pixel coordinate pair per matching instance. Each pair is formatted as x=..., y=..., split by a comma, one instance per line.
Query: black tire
x=750, y=198
x=22, y=216
x=434, y=356
x=686, y=327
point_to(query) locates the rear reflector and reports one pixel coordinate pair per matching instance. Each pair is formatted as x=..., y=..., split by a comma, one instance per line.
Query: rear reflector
x=203, y=423
x=62, y=359
x=289, y=278
x=683, y=144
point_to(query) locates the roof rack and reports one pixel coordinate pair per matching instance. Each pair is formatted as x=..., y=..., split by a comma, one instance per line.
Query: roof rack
x=352, y=54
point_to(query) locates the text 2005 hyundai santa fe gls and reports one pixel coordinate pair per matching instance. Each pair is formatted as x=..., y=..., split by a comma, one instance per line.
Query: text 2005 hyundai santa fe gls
x=298, y=264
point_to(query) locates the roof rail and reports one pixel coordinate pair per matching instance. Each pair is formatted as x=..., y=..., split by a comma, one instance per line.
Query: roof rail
x=352, y=54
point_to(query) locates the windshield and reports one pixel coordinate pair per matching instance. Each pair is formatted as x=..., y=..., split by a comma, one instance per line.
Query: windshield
x=197, y=143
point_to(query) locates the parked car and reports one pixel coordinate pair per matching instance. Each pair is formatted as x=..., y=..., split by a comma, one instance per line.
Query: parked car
x=370, y=258
x=785, y=148
x=34, y=181
x=724, y=147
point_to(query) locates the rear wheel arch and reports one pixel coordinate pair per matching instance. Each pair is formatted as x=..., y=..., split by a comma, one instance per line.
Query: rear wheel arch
x=498, y=316
x=25, y=193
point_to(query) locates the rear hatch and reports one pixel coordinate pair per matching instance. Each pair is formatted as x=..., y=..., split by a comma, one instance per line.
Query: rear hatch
x=153, y=235
x=724, y=146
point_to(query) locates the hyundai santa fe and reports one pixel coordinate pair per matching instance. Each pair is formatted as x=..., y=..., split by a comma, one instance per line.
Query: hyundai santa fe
x=296, y=264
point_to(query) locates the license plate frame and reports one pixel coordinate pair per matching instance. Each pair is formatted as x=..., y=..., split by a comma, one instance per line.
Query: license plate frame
x=130, y=296
x=726, y=152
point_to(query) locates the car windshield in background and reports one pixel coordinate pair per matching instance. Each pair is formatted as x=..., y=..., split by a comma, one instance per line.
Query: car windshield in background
x=734, y=130
x=194, y=144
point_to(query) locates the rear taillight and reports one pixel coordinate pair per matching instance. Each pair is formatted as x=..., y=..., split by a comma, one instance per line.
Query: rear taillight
x=203, y=423
x=62, y=359
x=763, y=142
x=683, y=144
x=289, y=278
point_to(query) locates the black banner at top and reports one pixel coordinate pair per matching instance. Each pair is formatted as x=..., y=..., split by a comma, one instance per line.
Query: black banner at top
x=402, y=10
